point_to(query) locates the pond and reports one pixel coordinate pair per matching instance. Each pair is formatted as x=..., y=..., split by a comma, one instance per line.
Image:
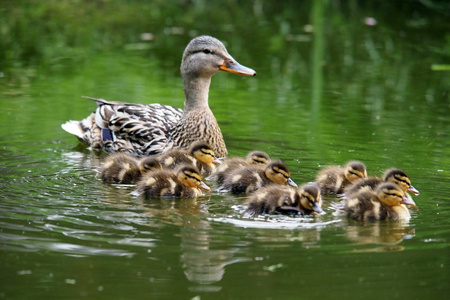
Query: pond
x=357, y=91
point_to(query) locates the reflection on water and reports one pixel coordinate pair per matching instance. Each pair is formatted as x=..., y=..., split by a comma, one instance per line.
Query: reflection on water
x=381, y=236
x=203, y=263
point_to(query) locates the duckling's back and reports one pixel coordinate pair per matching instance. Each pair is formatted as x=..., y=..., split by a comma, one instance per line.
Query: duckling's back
x=158, y=184
x=330, y=180
x=120, y=168
x=244, y=180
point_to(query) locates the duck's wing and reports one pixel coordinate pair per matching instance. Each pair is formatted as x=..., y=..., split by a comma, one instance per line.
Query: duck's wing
x=125, y=127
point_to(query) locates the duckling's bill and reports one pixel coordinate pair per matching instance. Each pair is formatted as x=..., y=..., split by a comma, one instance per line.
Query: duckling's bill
x=413, y=190
x=232, y=66
x=291, y=182
x=317, y=209
x=203, y=186
x=408, y=201
x=216, y=161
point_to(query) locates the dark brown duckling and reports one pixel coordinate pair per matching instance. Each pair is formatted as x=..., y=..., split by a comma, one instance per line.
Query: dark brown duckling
x=333, y=179
x=120, y=168
x=391, y=175
x=185, y=182
x=199, y=154
x=149, y=163
x=250, y=179
x=305, y=200
x=387, y=202
x=126, y=168
x=254, y=158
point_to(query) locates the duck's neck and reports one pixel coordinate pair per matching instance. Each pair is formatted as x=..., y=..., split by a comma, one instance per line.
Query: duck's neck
x=196, y=90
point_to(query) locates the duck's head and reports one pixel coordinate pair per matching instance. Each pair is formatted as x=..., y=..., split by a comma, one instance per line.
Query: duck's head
x=355, y=171
x=310, y=198
x=205, y=55
x=279, y=173
x=149, y=164
x=401, y=179
x=203, y=152
x=190, y=176
x=258, y=158
x=391, y=194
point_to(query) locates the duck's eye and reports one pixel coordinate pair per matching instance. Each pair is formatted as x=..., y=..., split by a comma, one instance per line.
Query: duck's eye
x=207, y=51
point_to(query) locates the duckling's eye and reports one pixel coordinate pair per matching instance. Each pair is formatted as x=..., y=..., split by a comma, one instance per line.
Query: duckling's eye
x=353, y=173
x=208, y=51
x=206, y=153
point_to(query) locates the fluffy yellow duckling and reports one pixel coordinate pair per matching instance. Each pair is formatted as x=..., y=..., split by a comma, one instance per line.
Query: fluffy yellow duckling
x=283, y=199
x=250, y=179
x=185, y=182
x=333, y=179
x=125, y=168
x=387, y=202
x=391, y=175
x=254, y=158
x=199, y=154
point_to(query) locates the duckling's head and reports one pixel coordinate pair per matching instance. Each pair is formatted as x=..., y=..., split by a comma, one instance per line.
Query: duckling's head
x=190, y=176
x=310, y=198
x=279, y=173
x=391, y=194
x=401, y=179
x=203, y=152
x=205, y=55
x=355, y=171
x=258, y=158
x=149, y=164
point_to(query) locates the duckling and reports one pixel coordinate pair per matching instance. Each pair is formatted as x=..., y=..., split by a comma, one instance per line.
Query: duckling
x=391, y=175
x=120, y=168
x=199, y=154
x=149, y=163
x=185, y=182
x=284, y=199
x=254, y=158
x=387, y=202
x=125, y=168
x=333, y=179
x=150, y=129
x=250, y=179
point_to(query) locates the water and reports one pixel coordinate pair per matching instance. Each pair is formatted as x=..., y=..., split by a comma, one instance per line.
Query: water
x=66, y=234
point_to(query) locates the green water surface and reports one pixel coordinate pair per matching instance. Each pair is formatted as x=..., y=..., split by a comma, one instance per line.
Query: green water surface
x=331, y=87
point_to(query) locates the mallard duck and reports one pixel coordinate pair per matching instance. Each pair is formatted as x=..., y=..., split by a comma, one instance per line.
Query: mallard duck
x=185, y=182
x=391, y=175
x=284, y=199
x=250, y=179
x=333, y=179
x=125, y=168
x=155, y=128
x=199, y=154
x=254, y=158
x=387, y=202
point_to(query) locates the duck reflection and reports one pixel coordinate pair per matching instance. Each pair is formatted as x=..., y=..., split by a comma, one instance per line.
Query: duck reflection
x=385, y=235
x=201, y=262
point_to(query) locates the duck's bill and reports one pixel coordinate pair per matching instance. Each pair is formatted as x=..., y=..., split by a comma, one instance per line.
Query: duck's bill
x=413, y=190
x=216, y=161
x=232, y=66
x=203, y=186
x=291, y=182
x=317, y=208
x=408, y=201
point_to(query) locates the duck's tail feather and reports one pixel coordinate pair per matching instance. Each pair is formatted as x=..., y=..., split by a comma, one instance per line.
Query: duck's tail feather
x=73, y=127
